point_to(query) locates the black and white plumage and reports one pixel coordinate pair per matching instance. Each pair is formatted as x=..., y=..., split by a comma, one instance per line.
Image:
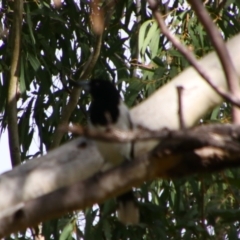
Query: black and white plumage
x=107, y=109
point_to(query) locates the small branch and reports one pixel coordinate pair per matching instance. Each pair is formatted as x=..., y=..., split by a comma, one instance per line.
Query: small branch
x=93, y=58
x=222, y=52
x=15, y=42
x=116, y=135
x=189, y=55
x=143, y=134
x=180, y=108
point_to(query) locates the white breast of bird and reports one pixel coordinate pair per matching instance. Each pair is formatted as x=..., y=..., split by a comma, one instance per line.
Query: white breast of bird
x=115, y=153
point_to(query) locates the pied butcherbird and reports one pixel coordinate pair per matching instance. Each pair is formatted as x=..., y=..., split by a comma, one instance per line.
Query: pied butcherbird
x=108, y=110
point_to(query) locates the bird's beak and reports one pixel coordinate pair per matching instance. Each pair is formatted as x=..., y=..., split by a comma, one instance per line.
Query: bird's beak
x=81, y=84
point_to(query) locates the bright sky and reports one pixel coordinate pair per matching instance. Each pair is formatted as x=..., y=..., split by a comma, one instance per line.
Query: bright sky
x=5, y=163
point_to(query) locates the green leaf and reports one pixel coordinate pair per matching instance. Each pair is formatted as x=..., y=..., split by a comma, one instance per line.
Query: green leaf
x=107, y=230
x=29, y=22
x=154, y=44
x=142, y=33
x=68, y=230
x=34, y=61
x=215, y=112
x=135, y=86
x=149, y=36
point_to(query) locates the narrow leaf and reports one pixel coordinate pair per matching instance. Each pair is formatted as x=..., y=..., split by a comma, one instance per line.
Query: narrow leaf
x=29, y=23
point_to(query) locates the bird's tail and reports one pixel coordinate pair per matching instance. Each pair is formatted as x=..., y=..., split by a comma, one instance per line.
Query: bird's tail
x=128, y=211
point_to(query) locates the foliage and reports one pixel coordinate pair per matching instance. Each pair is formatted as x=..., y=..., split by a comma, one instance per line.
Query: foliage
x=56, y=44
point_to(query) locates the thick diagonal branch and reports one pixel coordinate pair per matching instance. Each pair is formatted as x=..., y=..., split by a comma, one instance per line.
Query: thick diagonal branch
x=179, y=153
x=221, y=49
x=190, y=56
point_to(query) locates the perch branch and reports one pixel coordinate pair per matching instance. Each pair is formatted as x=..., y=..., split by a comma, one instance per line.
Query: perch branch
x=202, y=149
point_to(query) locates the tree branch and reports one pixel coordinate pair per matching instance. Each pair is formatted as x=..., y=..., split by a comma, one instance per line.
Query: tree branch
x=160, y=110
x=226, y=132
x=189, y=55
x=180, y=89
x=15, y=42
x=203, y=149
x=222, y=52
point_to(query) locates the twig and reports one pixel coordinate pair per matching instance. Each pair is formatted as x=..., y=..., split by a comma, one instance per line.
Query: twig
x=15, y=43
x=180, y=108
x=222, y=52
x=189, y=55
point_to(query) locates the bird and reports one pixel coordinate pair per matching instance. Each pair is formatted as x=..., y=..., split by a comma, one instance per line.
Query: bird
x=108, y=109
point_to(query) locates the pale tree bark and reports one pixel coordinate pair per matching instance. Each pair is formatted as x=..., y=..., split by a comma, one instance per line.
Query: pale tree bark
x=161, y=109
x=204, y=149
x=26, y=186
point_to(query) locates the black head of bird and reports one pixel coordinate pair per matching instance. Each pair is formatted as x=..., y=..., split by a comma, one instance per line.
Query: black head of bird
x=103, y=90
x=104, y=108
